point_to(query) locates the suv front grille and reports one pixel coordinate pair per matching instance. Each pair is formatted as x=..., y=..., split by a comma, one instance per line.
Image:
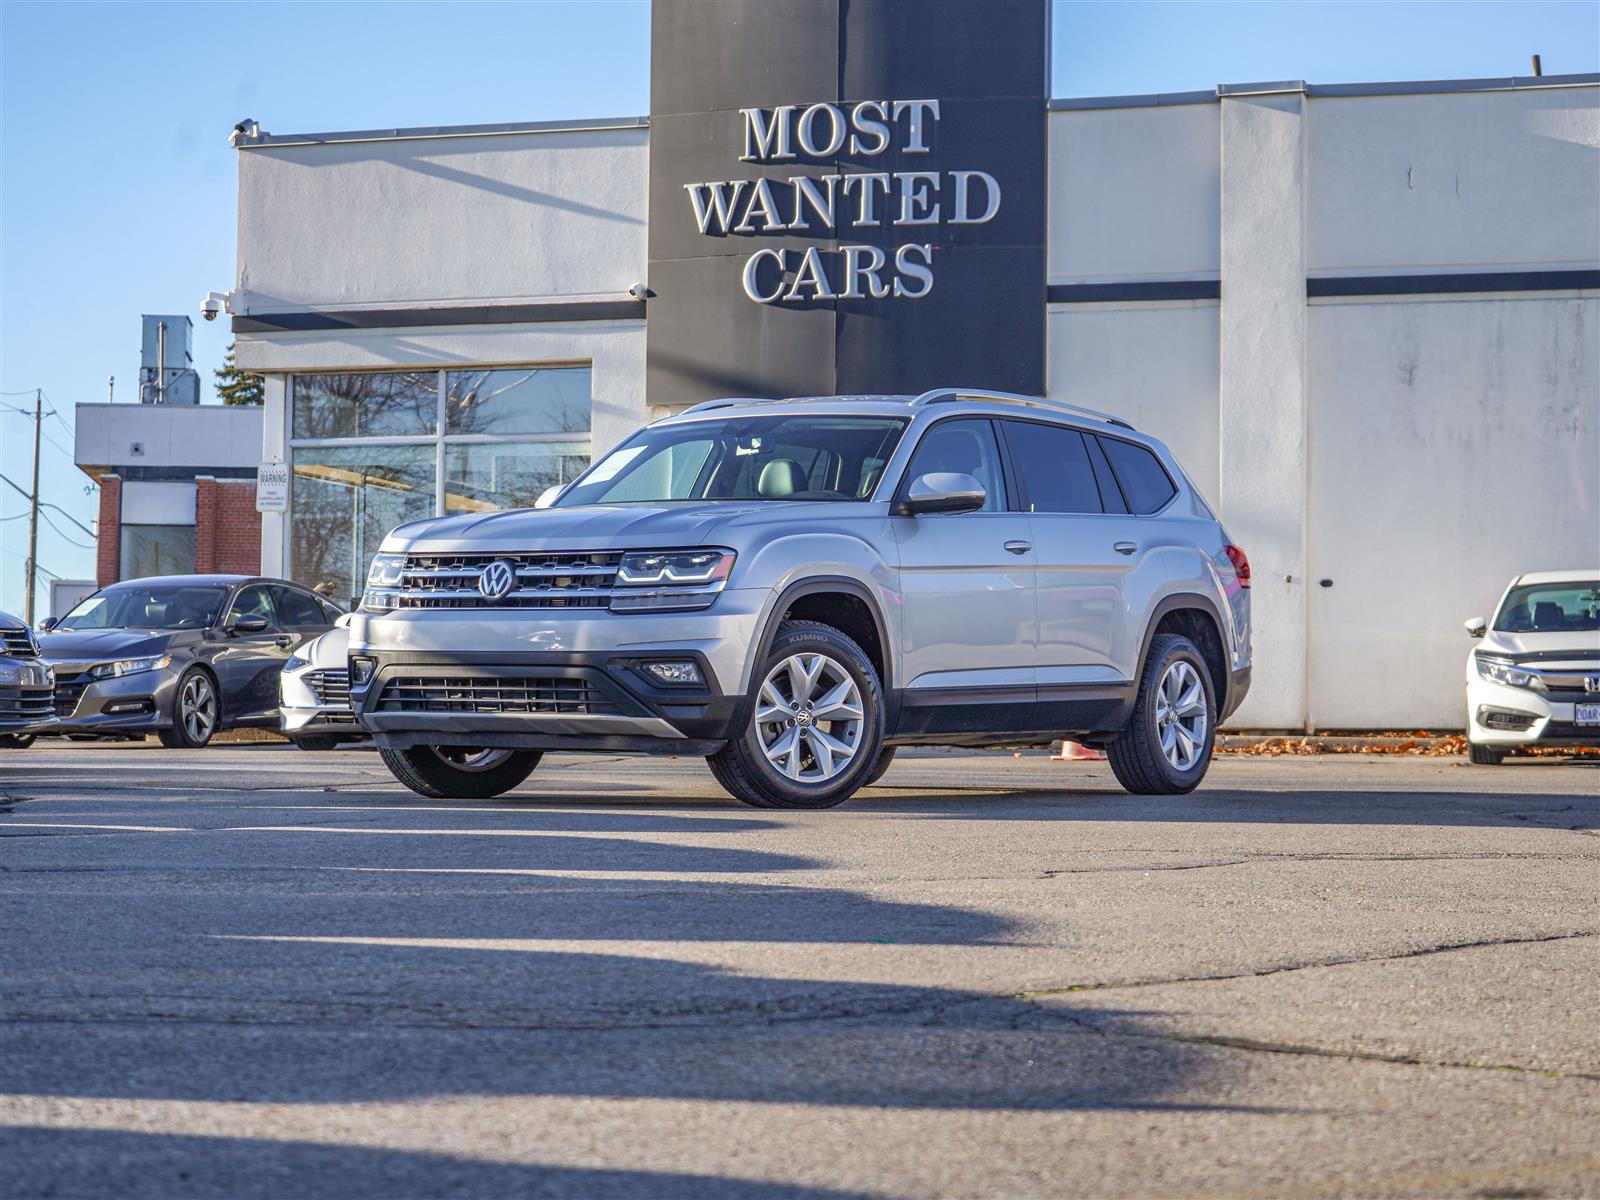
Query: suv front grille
x=26, y=704
x=18, y=643
x=493, y=694
x=331, y=687
x=567, y=579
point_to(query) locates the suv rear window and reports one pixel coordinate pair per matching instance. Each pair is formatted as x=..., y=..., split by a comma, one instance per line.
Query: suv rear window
x=1144, y=480
x=1054, y=466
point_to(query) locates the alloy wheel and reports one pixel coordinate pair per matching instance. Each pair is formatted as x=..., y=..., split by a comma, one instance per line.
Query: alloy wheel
x=197, y=708
x=809, y=718
x=1181, y=715
x=471, y=758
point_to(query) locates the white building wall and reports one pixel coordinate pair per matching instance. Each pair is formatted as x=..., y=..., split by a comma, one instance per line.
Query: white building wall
x=210, y=435
x=509, y=217
x=1455, y=443
x=1415, y=451
x=1134, y=194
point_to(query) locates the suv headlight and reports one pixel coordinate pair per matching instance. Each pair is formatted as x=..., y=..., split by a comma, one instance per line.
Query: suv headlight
x=1499, y=670
x=384, y=574
x=129, y=666
x=670, y=580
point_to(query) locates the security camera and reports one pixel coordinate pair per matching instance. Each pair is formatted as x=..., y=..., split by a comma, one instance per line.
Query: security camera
x=214, y=305
x=638, y=291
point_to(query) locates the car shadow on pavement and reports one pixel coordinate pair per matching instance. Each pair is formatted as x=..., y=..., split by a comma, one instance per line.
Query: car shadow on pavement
x=129, y=1163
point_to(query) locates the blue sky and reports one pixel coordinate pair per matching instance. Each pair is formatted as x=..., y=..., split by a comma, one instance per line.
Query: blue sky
x=117, y=182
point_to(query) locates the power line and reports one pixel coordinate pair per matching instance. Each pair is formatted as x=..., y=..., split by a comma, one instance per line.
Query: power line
x=47, y=504
x=63, y=536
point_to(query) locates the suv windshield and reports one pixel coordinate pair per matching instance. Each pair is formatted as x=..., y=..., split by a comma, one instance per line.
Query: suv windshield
x=159, y=606
x=746, y=458
x=1572, y=607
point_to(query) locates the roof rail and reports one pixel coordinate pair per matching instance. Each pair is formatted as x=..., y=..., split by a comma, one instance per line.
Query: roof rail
x=725, y=402
x=955, y=395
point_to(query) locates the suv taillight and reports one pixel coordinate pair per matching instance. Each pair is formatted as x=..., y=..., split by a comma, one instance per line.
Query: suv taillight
x=1241, y=564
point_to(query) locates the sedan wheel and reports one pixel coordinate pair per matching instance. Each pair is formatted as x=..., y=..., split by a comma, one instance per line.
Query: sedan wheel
x=195, y=711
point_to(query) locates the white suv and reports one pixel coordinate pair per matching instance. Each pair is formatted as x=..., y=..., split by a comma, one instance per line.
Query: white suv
x=1536, y=677
x=794, y=588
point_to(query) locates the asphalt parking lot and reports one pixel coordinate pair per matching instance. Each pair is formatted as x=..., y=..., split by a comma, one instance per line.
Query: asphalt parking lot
x=253, y=971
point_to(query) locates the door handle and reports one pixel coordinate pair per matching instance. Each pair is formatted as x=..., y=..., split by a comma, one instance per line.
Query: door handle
x=284, y=642
x=1019, y=547
x=1125, y=547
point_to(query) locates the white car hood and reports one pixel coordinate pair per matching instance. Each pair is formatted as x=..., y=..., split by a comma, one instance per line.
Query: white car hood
x=1550, y=648
x=331, y=650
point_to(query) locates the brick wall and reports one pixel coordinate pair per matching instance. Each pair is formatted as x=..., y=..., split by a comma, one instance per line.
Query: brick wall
x=108, y=545
x=227, y=533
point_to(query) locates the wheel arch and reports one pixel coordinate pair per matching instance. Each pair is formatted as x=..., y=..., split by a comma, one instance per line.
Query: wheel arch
x=1196, y=617
x=818, y=589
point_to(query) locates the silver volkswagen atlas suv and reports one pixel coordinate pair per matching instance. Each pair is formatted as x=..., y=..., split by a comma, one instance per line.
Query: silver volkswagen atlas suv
x=796, y=588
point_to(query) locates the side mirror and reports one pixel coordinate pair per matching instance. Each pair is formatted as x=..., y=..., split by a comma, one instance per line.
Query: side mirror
x=941, y=492
x=247, y=623
x=1477, y=627
x=46, y=625
x=549, y=496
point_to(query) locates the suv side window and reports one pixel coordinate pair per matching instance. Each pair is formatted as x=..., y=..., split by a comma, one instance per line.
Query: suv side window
x=967, y=447
x=253, y=601
x=1110, y=493
x=1144, y=480
x=296, y=609
x=1053, y=465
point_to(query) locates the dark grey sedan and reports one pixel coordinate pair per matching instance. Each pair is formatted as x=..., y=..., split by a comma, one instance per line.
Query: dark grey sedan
x=180, y=656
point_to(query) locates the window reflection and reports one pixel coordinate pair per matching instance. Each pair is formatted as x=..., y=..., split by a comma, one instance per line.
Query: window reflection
x=366, y=404
x=487, y=476
x=345, y=501
x=146, y=550
x=519, y=400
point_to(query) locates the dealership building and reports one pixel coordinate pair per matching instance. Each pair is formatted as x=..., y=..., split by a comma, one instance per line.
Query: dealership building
x=1366, y=317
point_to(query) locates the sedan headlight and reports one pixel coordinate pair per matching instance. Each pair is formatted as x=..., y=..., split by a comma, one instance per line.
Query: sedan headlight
x=297, y=662
x=385, y=573
x=1498, y=670
x=129, y=666
x=670, y=580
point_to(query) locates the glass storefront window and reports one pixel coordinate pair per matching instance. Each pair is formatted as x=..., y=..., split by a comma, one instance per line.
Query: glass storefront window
x=486, y=476
x=366, y=404
x=146, y=550
x=344, y=500
x=521, y=400
x=508, y=434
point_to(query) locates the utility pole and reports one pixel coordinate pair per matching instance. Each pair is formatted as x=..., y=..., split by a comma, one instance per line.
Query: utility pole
x=33, y=508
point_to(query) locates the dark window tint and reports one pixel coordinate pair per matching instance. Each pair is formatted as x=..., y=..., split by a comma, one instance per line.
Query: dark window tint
x=1110, y=493
x=254, y=601
x=966, y=448
x=297, y=608
x=1054, y=467
x=1144, y=480
x=332, y=611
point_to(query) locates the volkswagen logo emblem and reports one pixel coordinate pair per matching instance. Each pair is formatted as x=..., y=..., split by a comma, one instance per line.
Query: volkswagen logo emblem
x=497, y=578
x=1591, y=683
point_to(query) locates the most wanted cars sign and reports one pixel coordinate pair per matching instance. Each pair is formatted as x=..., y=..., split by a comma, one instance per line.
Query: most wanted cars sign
x=846, y=196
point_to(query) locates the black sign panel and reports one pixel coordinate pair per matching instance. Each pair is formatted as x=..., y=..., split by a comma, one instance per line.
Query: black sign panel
x=846, y=196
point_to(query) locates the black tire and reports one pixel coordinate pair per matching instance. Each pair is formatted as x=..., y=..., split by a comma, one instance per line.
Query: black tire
x=198, y=685
x=317, y=741
x=17, y=741
x=1137, y=758
x=885, y=758
x=743, y=767
x=445, y=773
x=1485, y=756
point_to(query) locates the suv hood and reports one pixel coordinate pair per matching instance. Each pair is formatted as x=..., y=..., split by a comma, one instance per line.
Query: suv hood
x=98, y=645
x=594, y=527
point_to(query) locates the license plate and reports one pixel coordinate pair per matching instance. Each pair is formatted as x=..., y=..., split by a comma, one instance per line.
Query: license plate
x=1587, y=714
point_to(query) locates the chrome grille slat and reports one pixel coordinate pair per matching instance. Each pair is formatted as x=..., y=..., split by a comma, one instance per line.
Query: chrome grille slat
x=28, y=704
x=564, y=579
x=330, y=687
x=18, y=643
